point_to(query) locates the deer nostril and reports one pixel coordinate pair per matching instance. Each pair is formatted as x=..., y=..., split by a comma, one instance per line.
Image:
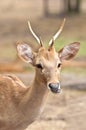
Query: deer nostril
x=50, y=85
x=55, y=87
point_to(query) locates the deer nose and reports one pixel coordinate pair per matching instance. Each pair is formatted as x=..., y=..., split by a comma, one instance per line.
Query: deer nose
x=55, y=87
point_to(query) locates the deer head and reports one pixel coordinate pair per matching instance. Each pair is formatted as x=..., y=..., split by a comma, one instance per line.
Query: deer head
x=48, y=61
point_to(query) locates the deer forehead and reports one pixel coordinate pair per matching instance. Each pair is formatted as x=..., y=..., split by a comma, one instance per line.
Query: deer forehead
x=47, y=57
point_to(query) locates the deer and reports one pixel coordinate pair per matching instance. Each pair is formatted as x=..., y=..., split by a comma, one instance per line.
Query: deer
x=20, y=105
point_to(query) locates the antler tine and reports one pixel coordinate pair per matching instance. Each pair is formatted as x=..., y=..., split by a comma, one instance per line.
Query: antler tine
x=59, y=31
x=36, y=37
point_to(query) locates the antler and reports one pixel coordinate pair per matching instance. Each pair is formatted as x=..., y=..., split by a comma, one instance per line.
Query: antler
x=35, y=36
x=57, y=34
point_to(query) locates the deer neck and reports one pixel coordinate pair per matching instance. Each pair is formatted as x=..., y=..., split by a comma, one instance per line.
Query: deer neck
x=39, y=86
x=35, y=97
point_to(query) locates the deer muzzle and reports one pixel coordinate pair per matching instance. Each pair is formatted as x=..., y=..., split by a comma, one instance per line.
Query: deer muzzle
x=54, y=87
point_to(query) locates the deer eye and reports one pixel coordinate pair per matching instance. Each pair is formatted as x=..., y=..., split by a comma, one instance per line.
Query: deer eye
x=59, y=65
x=39, y=66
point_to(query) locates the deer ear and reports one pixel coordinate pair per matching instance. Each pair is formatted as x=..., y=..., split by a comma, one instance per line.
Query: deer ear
x=25, y=52
x=69, y=51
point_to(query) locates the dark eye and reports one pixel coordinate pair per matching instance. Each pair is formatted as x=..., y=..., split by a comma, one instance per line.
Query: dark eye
x=59, y=65
x=39, y=66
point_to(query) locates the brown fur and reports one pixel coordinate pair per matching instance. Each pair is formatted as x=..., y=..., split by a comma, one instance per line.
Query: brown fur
x=21, y=105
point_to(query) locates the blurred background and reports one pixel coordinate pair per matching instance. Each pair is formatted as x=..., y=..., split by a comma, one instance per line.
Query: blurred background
x=65, y=111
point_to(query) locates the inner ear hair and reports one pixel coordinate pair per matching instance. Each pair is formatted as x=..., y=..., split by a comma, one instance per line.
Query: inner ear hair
x=69, y=51
x=34, y=47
